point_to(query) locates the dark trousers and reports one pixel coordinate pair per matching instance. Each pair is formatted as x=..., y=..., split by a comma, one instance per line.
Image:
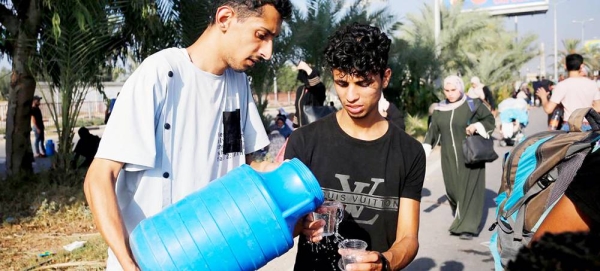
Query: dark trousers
x=38, y=144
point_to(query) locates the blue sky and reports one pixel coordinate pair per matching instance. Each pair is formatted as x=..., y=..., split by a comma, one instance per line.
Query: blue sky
x=540, y=24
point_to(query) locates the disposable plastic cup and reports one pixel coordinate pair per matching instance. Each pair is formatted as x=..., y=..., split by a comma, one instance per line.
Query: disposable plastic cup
x=350, y=249
x=332, y=212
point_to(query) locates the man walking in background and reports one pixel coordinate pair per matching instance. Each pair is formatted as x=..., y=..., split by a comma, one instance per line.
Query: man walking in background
x=577, y=91
x=37, y=126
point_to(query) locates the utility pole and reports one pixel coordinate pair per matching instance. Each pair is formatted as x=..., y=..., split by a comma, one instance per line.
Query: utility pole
x=437, y=25
x=555, y=3
x=582, y=22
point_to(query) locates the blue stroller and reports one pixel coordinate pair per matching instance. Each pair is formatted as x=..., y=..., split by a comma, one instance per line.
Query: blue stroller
x=514, y=117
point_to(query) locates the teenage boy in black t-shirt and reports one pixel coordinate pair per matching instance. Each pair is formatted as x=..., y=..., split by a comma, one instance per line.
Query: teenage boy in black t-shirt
x=362, y=160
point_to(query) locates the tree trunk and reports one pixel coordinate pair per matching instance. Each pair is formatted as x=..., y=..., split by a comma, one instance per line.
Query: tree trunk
x=19, y=154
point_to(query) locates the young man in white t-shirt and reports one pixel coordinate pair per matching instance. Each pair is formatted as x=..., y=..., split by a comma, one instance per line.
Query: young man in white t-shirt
x=573, y=93
x=184, y=118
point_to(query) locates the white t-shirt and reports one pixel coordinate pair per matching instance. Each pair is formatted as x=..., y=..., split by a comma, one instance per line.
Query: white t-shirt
x=575, y=93
x=168, y=130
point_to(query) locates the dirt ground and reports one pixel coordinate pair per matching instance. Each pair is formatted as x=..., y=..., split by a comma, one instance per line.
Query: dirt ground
x=39, y=246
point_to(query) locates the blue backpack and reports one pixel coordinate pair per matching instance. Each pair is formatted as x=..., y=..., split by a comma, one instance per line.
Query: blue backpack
x=535, y=175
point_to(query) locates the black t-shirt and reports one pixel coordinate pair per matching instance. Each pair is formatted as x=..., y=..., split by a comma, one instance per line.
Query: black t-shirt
x=368, y=177
x=584, y=190
x=37, y=115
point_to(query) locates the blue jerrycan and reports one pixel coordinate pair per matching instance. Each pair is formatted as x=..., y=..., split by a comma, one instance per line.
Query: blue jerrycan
x=240, y=221
x=49, y=147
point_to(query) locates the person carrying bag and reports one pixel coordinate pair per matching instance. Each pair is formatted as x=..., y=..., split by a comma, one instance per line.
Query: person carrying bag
x=453, y=120
x=477, y=148
x=310, y=96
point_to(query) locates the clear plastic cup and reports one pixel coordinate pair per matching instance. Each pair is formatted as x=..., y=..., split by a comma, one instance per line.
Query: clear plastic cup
x=350, y=249
x=333, y=213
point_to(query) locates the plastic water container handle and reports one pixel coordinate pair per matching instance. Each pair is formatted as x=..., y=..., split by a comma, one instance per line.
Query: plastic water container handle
x=291, y=214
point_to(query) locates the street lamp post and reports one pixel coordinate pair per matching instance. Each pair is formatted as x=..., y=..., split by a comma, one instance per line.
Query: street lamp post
x=582, y=22
x=555, y=3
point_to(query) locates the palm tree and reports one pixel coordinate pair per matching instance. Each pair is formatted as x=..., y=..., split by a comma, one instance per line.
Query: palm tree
x=474, y=44
x=414, y=67
x=311, y=30
x=572, y=46
x=593, y=60
x=74, y=49
x=137, y=28
x=496, y=66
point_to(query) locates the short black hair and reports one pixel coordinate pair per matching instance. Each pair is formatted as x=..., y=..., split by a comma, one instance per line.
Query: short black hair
x=248, y=8
x=574, y=62
x=358, y=49
x=564, y=251
x=83, y=132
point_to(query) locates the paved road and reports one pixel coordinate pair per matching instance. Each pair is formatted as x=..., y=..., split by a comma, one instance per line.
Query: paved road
x=438, y=250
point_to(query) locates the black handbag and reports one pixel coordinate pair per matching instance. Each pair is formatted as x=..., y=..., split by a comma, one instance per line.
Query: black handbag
x=315, y=112
x=478, y=149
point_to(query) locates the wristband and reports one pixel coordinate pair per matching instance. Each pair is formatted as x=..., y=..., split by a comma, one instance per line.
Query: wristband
x=385, y=264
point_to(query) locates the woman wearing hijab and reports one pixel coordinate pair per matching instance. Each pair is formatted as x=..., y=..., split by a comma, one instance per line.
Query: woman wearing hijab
x=481, y=91
x=465, y=185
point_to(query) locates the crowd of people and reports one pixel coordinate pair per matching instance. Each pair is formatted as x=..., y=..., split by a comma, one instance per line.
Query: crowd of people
x=159, y=146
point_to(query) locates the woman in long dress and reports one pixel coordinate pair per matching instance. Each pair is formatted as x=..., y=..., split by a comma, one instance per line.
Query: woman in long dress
x=452, y=120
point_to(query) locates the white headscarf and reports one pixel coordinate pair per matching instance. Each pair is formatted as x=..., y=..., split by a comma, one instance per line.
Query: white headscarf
x=457, y=82
x=477, y=91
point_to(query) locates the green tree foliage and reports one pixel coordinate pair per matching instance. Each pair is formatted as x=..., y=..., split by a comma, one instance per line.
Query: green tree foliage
x=591, y=56
x=593, y=60
x=286, y=79
x=414, y=67
x=74, y=49
x=472, y=44
x=310, y=30
x=30, y=28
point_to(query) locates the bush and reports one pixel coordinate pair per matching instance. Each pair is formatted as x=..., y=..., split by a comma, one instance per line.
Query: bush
x=416, y=126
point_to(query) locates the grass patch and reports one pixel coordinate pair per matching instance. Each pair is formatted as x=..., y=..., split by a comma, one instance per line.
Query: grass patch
x=89, y=122
x=41, y=214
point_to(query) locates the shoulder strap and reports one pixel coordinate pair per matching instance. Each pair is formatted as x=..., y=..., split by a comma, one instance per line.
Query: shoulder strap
x=472, y=108
x=576, y=119
x=471, y=104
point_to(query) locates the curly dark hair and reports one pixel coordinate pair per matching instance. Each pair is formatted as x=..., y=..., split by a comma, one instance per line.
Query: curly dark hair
x=248, y=8
x=358, y=49
x=564, y=251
